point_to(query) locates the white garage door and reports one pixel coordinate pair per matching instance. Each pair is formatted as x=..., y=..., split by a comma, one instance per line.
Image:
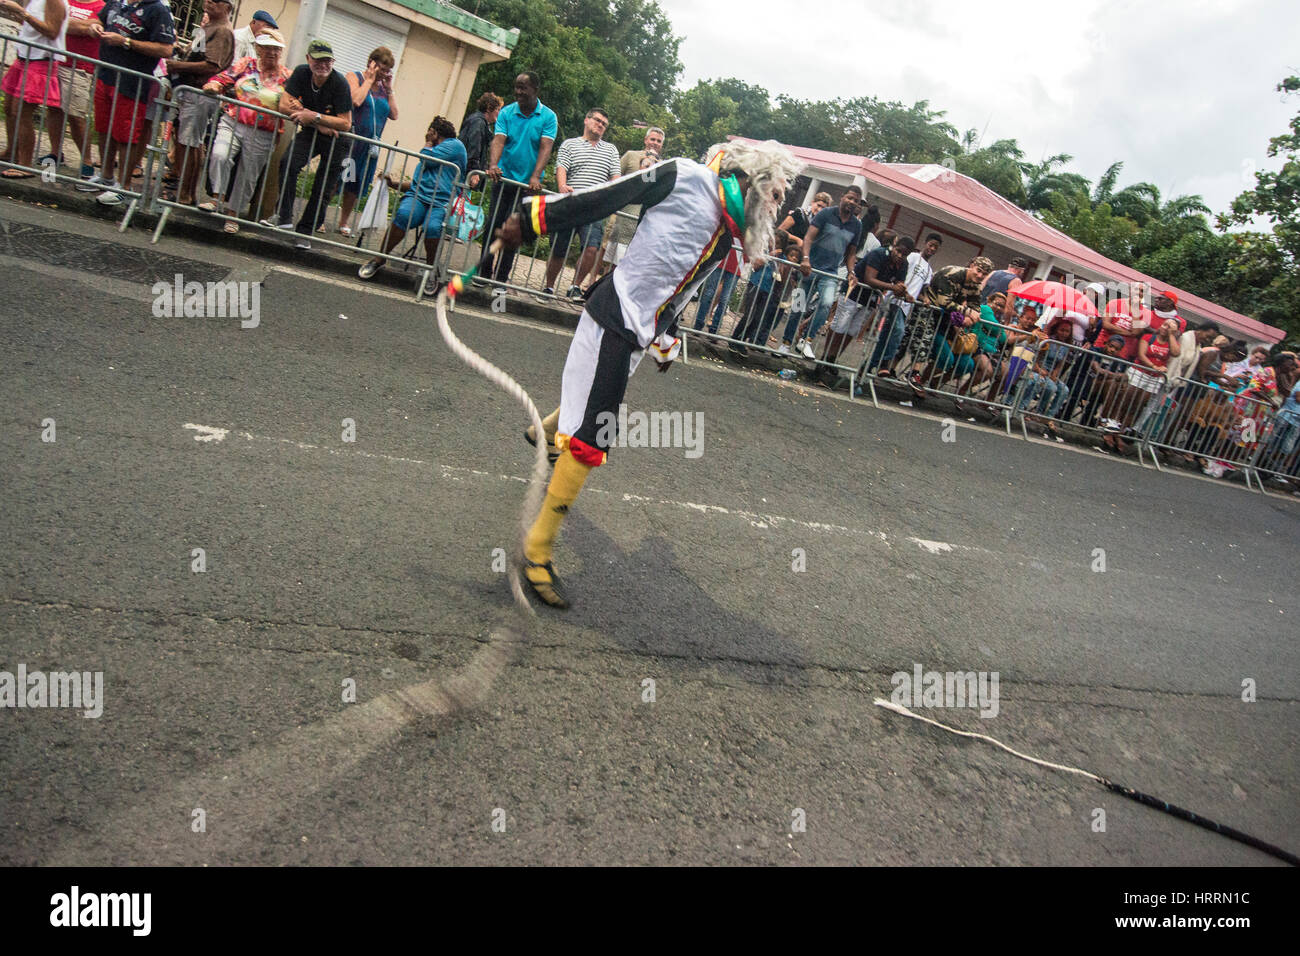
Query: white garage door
x=355, y=29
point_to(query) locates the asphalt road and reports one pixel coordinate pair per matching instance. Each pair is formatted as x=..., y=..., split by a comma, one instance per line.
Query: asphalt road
x=371, y=561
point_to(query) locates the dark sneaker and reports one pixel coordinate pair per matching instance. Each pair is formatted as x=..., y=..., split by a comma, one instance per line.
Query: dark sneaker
x=545, y=583
x=574, y=294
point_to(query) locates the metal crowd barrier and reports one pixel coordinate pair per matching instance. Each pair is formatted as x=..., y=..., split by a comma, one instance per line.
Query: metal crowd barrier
x=1207, y=421
x=225, y=178
x=1024, y=376
x=147, y=109
x=763, y=320
x=524, y=271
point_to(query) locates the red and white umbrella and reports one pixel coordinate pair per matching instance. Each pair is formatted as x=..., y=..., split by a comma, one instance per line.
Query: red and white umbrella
x=1070, y=302
x=1057, y=298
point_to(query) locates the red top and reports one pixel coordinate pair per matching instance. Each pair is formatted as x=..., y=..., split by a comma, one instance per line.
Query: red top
x=732, y=264
x=87, y=45
x=1118, y=313
x=1157, y=351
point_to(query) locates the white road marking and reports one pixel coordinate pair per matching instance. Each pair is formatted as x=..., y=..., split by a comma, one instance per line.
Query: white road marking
x=933, y=547
x=207, y=433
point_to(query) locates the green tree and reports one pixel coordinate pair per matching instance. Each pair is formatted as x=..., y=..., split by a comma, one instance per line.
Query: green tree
x=893, y=133
x=1096, y=226
x=1000, y=167
x=1275, y=198
x=702, y=116
x=1162, y=224
x=639, y=32
x=588, y=53
x=1043, y=181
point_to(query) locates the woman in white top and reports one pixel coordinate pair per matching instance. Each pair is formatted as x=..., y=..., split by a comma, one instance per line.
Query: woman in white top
x=32, y=78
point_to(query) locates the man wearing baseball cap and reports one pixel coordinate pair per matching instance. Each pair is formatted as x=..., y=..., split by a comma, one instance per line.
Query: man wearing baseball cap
x=245, y=36
x=320, y=103
x=1166, y=307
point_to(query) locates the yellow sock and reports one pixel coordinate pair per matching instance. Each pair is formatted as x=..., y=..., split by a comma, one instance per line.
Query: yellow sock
x=566, y=482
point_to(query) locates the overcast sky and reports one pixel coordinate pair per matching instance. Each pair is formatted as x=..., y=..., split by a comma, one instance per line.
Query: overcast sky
x=1182, y=92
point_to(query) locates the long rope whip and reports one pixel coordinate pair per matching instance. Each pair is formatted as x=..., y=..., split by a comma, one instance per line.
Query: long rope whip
x=470, y=687
x=1138, y=795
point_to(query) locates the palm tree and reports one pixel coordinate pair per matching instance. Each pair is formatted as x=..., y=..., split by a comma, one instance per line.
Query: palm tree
x=1139, y=202
x=1106, y=185
x=1042, y=182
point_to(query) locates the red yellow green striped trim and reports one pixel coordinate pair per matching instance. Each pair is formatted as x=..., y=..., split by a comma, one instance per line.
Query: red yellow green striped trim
x=694, y=271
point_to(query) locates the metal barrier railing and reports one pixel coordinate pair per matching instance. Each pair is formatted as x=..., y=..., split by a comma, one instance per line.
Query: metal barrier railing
x=250, y=147
x=540, y=264
x=778, y=310
x=1228, y=429
x=133, y=122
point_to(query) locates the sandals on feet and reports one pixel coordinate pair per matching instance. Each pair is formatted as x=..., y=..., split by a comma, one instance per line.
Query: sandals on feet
x=550, y=591
x=552, y=452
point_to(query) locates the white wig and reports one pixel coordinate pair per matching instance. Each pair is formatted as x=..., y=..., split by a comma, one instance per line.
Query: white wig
x=767, y=165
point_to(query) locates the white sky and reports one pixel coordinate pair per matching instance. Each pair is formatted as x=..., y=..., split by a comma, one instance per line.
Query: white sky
x=1182, y=92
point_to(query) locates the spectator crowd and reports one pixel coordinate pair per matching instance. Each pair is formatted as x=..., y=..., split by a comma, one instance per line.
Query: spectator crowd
x=252, y=133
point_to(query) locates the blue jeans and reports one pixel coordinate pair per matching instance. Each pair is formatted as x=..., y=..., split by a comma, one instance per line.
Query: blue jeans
x=891, y=337
x=1054, y=394
x=816, y=288
x=728, y=280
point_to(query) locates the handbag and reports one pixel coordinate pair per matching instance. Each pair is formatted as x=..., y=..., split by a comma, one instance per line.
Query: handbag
x=961, y=342
x=467, y=219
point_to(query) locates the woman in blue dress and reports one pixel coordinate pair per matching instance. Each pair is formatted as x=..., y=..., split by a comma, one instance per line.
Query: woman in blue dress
x=373, y=106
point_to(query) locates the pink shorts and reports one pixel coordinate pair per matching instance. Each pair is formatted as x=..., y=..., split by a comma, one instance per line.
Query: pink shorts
x=32, y=81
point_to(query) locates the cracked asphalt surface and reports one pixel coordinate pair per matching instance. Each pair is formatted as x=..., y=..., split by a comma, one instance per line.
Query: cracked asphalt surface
x=371, y=561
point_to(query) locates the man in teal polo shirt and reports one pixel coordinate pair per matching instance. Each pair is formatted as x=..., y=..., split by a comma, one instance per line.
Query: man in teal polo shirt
x=521, y=147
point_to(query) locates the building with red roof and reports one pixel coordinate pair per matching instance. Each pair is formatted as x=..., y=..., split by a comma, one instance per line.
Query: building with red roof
x=915, y=200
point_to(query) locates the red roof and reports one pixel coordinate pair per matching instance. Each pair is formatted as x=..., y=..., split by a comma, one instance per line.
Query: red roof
x=972, y=201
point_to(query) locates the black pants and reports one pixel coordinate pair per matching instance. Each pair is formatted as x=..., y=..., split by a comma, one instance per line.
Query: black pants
x=505, y=199
x=305, y=145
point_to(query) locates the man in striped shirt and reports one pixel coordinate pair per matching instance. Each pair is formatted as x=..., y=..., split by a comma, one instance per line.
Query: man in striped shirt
x=584, y=161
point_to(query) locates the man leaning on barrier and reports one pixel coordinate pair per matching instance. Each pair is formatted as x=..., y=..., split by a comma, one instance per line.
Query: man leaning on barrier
x=212, y=52
x=881, y=270
x=521, y=146
x=317, y=98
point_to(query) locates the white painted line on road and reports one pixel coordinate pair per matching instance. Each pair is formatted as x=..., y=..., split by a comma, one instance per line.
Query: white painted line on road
x=933, y=547
x=207, y=433
x=457, y=473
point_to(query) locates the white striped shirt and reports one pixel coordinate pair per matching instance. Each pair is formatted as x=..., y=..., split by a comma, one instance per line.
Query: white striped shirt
x=587, y=164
